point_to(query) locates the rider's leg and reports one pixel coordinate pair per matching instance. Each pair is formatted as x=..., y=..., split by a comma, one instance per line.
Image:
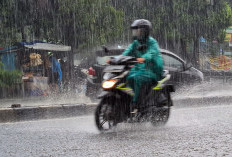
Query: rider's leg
x=136, y=82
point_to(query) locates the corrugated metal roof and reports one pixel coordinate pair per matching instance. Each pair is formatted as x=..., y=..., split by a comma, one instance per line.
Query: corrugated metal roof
x=48, y=47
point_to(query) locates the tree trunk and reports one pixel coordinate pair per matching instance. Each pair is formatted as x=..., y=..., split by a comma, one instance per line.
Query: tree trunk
x=196, y=52
x=183, y=49
x=23, y=34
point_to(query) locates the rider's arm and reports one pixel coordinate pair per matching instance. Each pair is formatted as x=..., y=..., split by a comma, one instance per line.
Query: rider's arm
x=129, y=50
x=152, y=51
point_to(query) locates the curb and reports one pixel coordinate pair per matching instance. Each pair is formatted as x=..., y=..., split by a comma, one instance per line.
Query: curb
x=193, y=101
x=71, y=110
x=44, y=112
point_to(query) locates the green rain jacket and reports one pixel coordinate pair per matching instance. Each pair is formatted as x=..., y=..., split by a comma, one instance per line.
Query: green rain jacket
x=153, y=64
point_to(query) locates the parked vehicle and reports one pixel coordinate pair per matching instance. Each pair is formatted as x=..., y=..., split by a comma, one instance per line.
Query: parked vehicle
x=116, y=98
x=181, y=71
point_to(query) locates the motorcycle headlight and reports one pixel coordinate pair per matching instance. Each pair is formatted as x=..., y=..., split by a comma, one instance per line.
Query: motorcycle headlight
x=109, y=84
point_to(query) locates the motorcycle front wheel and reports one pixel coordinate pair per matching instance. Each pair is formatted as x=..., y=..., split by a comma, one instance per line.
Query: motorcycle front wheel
x=104, y=115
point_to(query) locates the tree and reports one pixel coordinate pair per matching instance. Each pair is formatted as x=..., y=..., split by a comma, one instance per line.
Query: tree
x=176, y=23
x=79, y=23
x=86, y=23
x=9, y=78
x=195, y=18
x=7, y=27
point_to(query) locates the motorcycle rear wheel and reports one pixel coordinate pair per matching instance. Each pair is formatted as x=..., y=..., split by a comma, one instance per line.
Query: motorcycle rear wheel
x=160, y=117
x=104, y=116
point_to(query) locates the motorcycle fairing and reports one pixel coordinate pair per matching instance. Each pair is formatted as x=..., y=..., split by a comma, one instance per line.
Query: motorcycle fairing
x=130, y=91
x=162, y=82
x=126, y=89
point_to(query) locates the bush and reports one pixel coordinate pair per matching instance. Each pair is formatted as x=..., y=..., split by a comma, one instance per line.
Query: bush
x=9, y=78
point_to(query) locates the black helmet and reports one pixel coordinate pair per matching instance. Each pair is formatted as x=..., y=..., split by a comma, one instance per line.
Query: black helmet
x=141, y=29
x=141, y=23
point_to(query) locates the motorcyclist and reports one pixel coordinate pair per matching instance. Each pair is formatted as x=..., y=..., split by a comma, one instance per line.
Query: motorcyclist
x=146, y=50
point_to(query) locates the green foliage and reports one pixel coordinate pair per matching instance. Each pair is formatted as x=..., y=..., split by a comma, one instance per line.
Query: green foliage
x=79, y=23
x=9, y=78
x=93, y=22
x=191, y=19
x=87, y=23
x=7, y=29
x=177, y=23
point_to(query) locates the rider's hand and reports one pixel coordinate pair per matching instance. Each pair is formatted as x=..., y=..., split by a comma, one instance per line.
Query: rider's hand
x=108, y=61
x=140, y=60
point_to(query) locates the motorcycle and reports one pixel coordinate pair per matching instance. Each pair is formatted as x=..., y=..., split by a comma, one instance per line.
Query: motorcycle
x=114, y=106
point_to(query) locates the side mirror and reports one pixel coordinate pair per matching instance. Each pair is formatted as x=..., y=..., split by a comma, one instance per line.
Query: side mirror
x=188, y=66
x=106, y=50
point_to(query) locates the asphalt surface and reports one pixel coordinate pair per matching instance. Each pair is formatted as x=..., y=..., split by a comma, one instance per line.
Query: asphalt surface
x=198, y=131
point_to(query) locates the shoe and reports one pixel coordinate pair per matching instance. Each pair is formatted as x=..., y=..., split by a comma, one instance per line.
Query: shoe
x=135, y=116
x=133, y=108
x=134, y=111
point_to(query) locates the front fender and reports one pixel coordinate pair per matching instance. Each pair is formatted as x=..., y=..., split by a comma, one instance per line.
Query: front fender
x=105, y=94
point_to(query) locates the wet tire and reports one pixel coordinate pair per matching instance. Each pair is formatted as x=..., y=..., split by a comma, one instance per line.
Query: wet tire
x=104, y=115
x=160, y=117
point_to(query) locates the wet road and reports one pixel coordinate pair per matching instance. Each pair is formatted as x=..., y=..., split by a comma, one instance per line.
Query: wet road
x=199, y=131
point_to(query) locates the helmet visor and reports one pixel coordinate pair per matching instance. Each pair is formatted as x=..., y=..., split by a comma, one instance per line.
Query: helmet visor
x=136, y=32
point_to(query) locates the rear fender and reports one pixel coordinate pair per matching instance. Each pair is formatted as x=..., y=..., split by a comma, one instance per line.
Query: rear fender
x=156, y=95
x=169, y=88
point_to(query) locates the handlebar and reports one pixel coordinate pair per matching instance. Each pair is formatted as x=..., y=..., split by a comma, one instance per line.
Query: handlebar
x=123, y=60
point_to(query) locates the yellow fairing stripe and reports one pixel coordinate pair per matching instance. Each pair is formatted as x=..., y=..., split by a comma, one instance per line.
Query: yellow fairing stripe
x=160, y=83
x=120, y=87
